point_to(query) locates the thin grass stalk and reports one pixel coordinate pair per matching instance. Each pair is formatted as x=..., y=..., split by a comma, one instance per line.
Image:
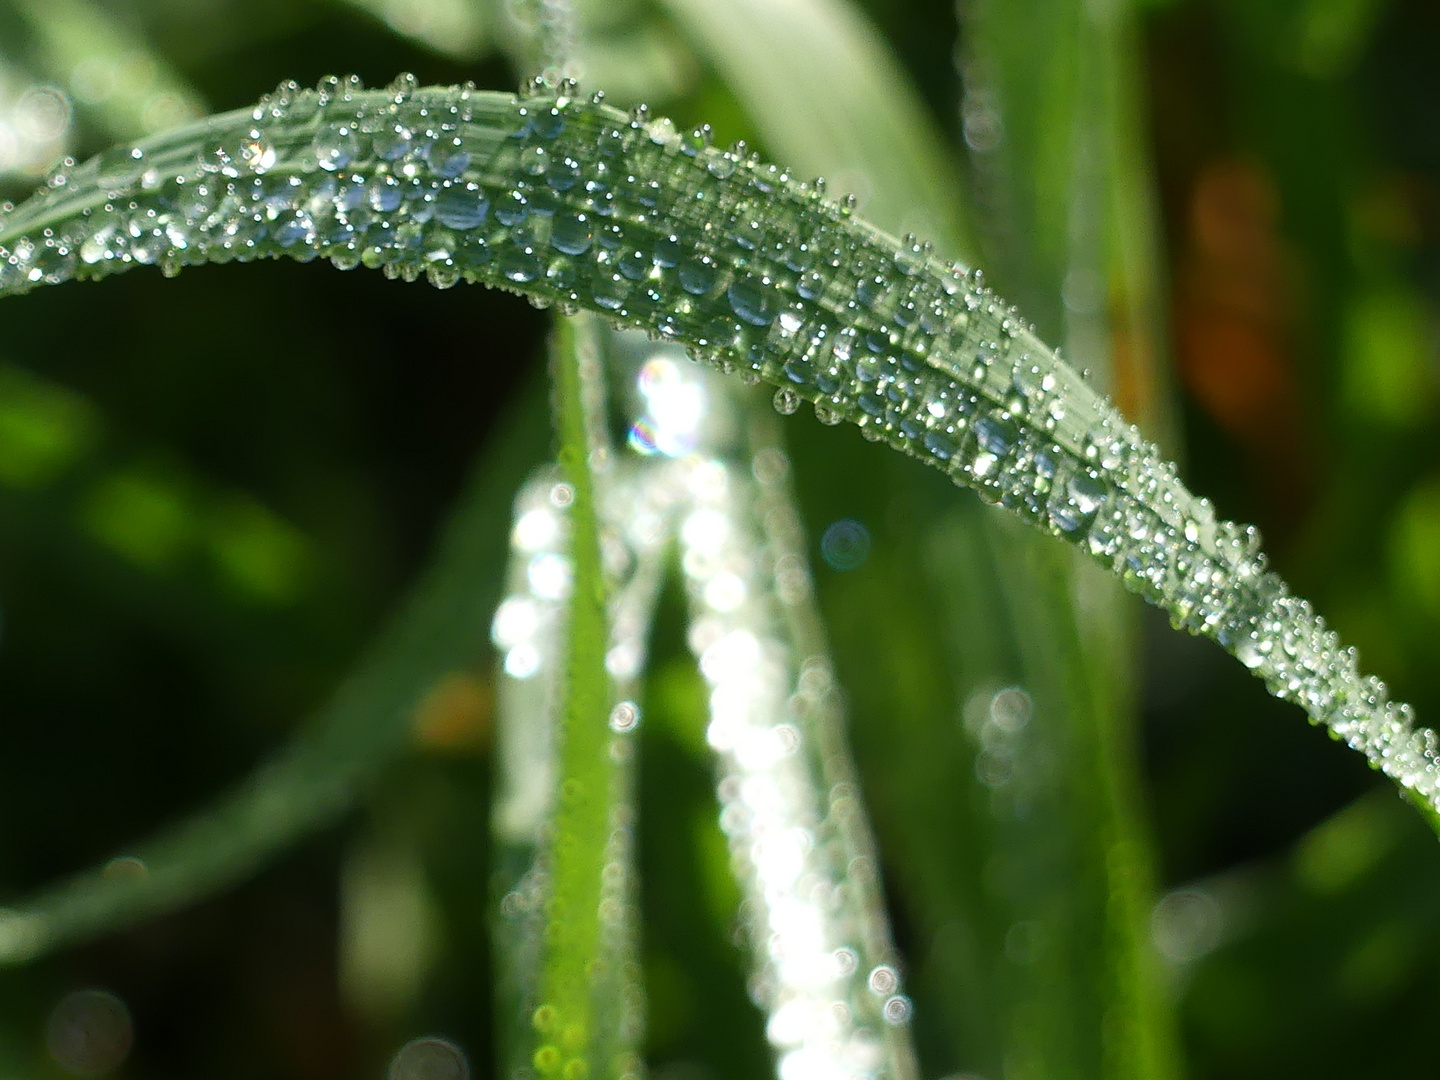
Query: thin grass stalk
x=534, y=627
x=824, y=971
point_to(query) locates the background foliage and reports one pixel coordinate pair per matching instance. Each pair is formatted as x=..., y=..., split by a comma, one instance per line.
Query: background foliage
x=214, y=491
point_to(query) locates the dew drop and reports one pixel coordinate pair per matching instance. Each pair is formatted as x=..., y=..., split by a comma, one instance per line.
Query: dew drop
x=571, y=235
x=429, y=1059
x=883, y=980
x=461, y=208
x=897, y=1010
x=385, y=195
x=697, y=276
x=89, y=1032
x=520, y=266
x=335, y=147
x=750, y=299
x=786, y=401
x=625, y=717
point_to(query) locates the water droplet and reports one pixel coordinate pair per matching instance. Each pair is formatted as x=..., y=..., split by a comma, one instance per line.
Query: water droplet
x=520, y=265
x=448, y=160
x=845, y=545
x=461, y=207
x=257, y=153
x=571, y=235
x=697, y=276
x=883, y=980
x=625, y=717
x=120, y=166
x=751, y=299
x=512, y=208
x=786, y=401
x=897, y=1010
x=385, y=195
x=391, y=143
x=335, y=147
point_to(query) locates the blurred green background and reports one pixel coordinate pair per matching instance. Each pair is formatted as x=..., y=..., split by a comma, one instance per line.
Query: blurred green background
x=215, y=490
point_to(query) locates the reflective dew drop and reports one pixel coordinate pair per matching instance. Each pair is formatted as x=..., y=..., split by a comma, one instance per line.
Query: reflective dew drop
x=786, y=401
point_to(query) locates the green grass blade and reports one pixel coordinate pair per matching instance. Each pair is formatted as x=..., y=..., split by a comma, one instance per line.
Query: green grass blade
x=745, y=267
x=530, y=627
x=1054, y=154
x=565, y=1018
x=80, y=44
x=453, y=28
x=443, y=627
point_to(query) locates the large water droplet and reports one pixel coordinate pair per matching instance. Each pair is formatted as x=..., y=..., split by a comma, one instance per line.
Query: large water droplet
x=697, y=276
x=461, y=208
x=752, y=299
x=335, y=147
x=571, y=235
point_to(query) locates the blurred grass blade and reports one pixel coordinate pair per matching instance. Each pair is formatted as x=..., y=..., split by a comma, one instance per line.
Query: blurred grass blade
x=1049, y=125
x=310, y=784
x=111, y=71
x=1139, y=331
x=782, y=549
x=458, y=29
x=1057, y=159
x=811, y=54
x=528, y=632
x=826, y=95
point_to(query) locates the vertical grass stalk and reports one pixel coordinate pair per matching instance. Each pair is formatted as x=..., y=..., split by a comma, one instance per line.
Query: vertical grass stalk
x=565, y=813
x=824, y=968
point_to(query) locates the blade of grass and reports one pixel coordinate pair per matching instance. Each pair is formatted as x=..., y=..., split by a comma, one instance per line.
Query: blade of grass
x=117, y=77
x=1076, y=234
x=530, y=627
x=822, y=44
x=566, y=1016
x=458, y=29
x=971, y=388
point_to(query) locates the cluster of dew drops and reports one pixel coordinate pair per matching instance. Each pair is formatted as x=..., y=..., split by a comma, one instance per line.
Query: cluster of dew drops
x=567, y=201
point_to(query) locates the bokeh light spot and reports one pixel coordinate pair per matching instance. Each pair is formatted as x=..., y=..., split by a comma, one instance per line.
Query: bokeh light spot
x=429, y=1059
x=845, y=545
x=89, y=1032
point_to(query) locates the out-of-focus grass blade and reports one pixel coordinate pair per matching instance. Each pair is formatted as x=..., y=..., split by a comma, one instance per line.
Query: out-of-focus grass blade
x=1058, y=156
x=977, y=707
x=455, y=28
x=1052, y=946
x=1135, y=263
x=1075, y=231
x=109, y=70
x=827, y=96
x=444, y=627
